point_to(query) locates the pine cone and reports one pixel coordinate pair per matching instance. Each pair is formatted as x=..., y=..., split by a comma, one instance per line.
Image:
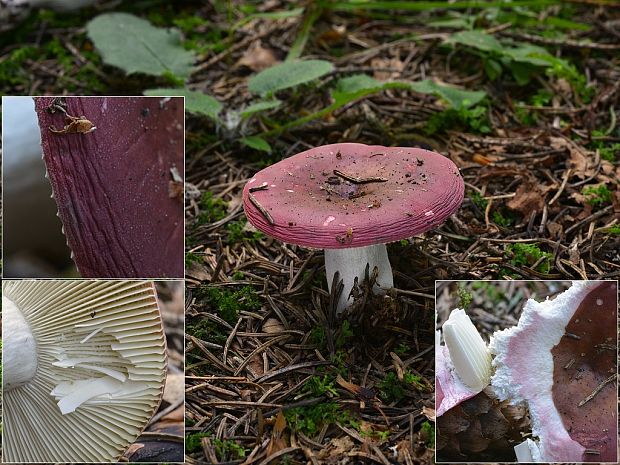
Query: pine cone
x=480, y=429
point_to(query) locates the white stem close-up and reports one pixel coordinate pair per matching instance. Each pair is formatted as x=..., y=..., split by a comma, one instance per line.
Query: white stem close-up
x=20, y=349
x=351, y=263
x=469, y=353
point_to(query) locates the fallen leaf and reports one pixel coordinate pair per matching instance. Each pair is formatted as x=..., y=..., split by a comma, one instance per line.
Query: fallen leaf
x=555, y=229
x=257, y=58
x=580, y=160
x=174, y=388
x=277, y=441
x=529, y=197
x=336, y=449
x=429, y=413
x=383, y=64
x=271, y=326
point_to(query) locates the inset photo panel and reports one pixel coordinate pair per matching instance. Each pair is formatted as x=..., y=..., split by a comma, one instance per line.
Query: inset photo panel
x=93, y=187
x=92, y=371
x=526, y=371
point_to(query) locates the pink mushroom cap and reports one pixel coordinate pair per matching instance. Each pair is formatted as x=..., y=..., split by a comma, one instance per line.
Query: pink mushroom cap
x=307, y=201
x=450, y=391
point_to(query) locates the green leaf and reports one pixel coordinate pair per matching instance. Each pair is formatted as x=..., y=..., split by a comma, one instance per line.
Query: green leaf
x=195, y=102
x=528, y=53
x=256, y=143
x=136, y=46
x=476, y=39
x=493, y=69
x=457, y=98
x=260, y=106
x=288, y=74
x=359, y=85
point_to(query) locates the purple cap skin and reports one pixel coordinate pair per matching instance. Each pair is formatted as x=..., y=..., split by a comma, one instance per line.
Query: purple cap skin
x=112, y=185
x=352, y=195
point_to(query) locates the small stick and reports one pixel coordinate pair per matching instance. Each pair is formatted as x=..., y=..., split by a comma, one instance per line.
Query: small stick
x=261, y=209
x=355, y=180
x=606, y=347
x=263, y=187
x=592, y=452
x=597, y=390
x=572, y=336
x=569, y=364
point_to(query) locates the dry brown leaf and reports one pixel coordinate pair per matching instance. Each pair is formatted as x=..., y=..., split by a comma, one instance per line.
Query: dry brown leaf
x=174, y=387
x=257, y=58
x=429, y=413
x=555, y=229
x=336, y=449
x=387, y=63
x=271, y=325
x=277, y=441
x=530, y=196
x=580, y=160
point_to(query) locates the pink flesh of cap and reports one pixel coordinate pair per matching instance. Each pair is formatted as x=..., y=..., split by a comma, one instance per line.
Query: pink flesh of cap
x=449, y=389
x=594, y=424
x=312, y=206
x=533, y=367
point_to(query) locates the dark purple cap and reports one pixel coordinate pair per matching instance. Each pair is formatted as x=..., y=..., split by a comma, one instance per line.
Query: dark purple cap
x=113, y=185
x=353, y=195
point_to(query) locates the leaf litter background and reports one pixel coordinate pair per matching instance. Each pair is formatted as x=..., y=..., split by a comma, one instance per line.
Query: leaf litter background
x=533, y=131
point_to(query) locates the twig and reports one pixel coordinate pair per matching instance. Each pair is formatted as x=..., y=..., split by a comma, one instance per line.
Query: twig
x=597, y=390
x=261, y=209
x=358, y=180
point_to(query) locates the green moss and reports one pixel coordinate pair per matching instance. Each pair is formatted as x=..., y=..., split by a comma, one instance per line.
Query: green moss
x=402, y=349
x=228, y=302
x=478, y=200
x=211, y=209
x=613, y=230
x=473, y=119
x=465, y=297
x=597, y=195
x=12, y=69
x=236, y=232
x=191, y=257
x=320, y=385
x=309, y=420
x=493, y=294
x=318, y=337
x=223, y=448
x=528, y=255
x=428, y=429
x=192, y=441
x=392, y=389
x=503, y=218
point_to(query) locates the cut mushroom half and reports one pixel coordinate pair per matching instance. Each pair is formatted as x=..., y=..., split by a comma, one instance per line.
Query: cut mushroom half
x=84, y=365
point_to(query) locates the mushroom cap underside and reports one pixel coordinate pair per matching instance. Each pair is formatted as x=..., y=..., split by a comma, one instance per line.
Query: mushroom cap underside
x=101, y=370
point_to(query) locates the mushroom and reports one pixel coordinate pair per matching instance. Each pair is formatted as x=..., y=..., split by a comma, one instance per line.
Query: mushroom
x=351, y=200
x=561, y=360
x=84, y=364
x=462, y=365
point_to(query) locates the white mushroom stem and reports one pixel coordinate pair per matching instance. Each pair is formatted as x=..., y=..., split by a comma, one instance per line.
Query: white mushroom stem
x=351, y=263
x=527, y=452
x=469, y=353
x=19, y=347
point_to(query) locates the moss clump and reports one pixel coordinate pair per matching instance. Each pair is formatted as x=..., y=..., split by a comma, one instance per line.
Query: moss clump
x=528, y=255
x=228, y=302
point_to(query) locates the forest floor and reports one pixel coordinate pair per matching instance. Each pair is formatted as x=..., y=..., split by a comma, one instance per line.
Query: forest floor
x=271, y=374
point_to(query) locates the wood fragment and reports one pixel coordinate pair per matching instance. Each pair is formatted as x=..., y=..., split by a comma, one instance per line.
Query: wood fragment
x=597, y=390
x=261, y=209
x=357, y=180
